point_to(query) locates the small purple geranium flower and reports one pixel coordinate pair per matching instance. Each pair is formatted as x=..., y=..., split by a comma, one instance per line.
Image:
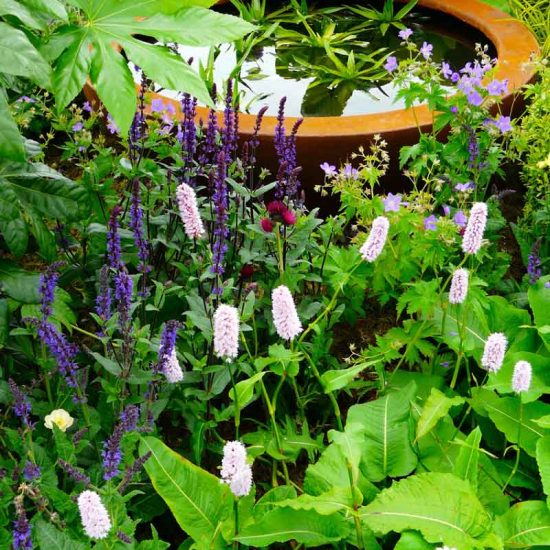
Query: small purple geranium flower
x=497, y=87
x=157, y=106
x=405, y=34
x=460, y=219
x=430, y=223
x=426, y=50
x=112, y=126
x=328, y=169
x=474, y=97
x=547, y=284
x=463, y=187
x=446, y=70
x=391, y=64
x=77, y=127
x=503, y=124
x=392, y=203
x=350, y=171
x=87, y=107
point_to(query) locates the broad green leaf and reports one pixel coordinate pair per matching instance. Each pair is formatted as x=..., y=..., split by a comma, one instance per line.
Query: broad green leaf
x=19, y=57
x=4, y=322
x=337, y=379
x=47, y=8
x=194, y=26
x=11, y=141
x=505, y=413
x=72, y=66
x=525, y=525
x=108, y=364
x=543, y=461
x=37, y=186
x=539, y=300
x=19, y=10
x=435, y=408
x=114, y=84
x=331, y=471
x=14, y=231
x=411, y=540
x=197, y=499
x=442, y=507
x=540, y=382
x=543, y=422
x=19, y=284
x=385, y=426
x=48, y=536
x=338, y=499
x=303, y=526
x=245, y=389
x=467, y=461
x=44, y=237
x=269, y=501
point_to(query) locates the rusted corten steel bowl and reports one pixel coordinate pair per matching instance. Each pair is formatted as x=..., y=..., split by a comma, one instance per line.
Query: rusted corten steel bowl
x=333, y=139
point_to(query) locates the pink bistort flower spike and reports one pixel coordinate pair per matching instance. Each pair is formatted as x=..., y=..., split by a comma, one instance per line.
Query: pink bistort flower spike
x=93, y=514
x=189, y=211
x=475, y=228
x=377, y=238
x=235, y=470
x=521, y=379
x=285, y=317
x=226, y=332
x=172, y=368
x=459, y=286
x=493, y=354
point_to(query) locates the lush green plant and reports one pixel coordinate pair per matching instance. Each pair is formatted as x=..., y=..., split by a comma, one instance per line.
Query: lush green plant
x=357, y=371
x=387, y=17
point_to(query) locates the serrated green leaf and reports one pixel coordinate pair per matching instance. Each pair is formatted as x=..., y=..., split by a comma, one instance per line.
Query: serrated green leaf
x=197, y=499
x=442, y=507
x=435, y=408
x=285, y=524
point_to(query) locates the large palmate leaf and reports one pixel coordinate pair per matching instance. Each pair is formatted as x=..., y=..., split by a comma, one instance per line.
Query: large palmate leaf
x=385, y=428
x=89, y=49
x=442, y=507
x=197, y=499
x=505, y=413
x=525, y=525
x=304, y=526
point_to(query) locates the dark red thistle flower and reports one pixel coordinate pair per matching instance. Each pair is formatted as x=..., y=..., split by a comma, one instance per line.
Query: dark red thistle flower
x=289, y=217
x=276, y=207
x=267, y=225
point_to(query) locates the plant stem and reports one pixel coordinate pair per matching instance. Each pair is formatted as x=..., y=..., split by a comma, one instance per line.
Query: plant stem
x=236, y=512
x=518, y=452
x=236, y=399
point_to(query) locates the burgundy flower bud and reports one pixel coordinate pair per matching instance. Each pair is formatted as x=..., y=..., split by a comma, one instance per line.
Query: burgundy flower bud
x=248, y=269
x=289, y=217
x=267, y=225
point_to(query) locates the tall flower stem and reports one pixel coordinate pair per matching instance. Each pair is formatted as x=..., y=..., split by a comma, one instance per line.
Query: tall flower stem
x=338, y=415
x=518, y=452
x=236, y=399
x=236, y=514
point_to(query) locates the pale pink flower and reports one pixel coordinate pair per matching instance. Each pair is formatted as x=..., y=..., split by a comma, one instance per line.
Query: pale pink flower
x=377, y=238
x=226, y=332
x=459, y=286
x=235, y=470
x=475, y=228
x=189, y=211
x=493, y=354
x=521, y=379
x=285, y=317
x=93, y=514
x=172, y=369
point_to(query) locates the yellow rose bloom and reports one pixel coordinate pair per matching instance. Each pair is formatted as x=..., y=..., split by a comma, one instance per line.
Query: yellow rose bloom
x=60, y=417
